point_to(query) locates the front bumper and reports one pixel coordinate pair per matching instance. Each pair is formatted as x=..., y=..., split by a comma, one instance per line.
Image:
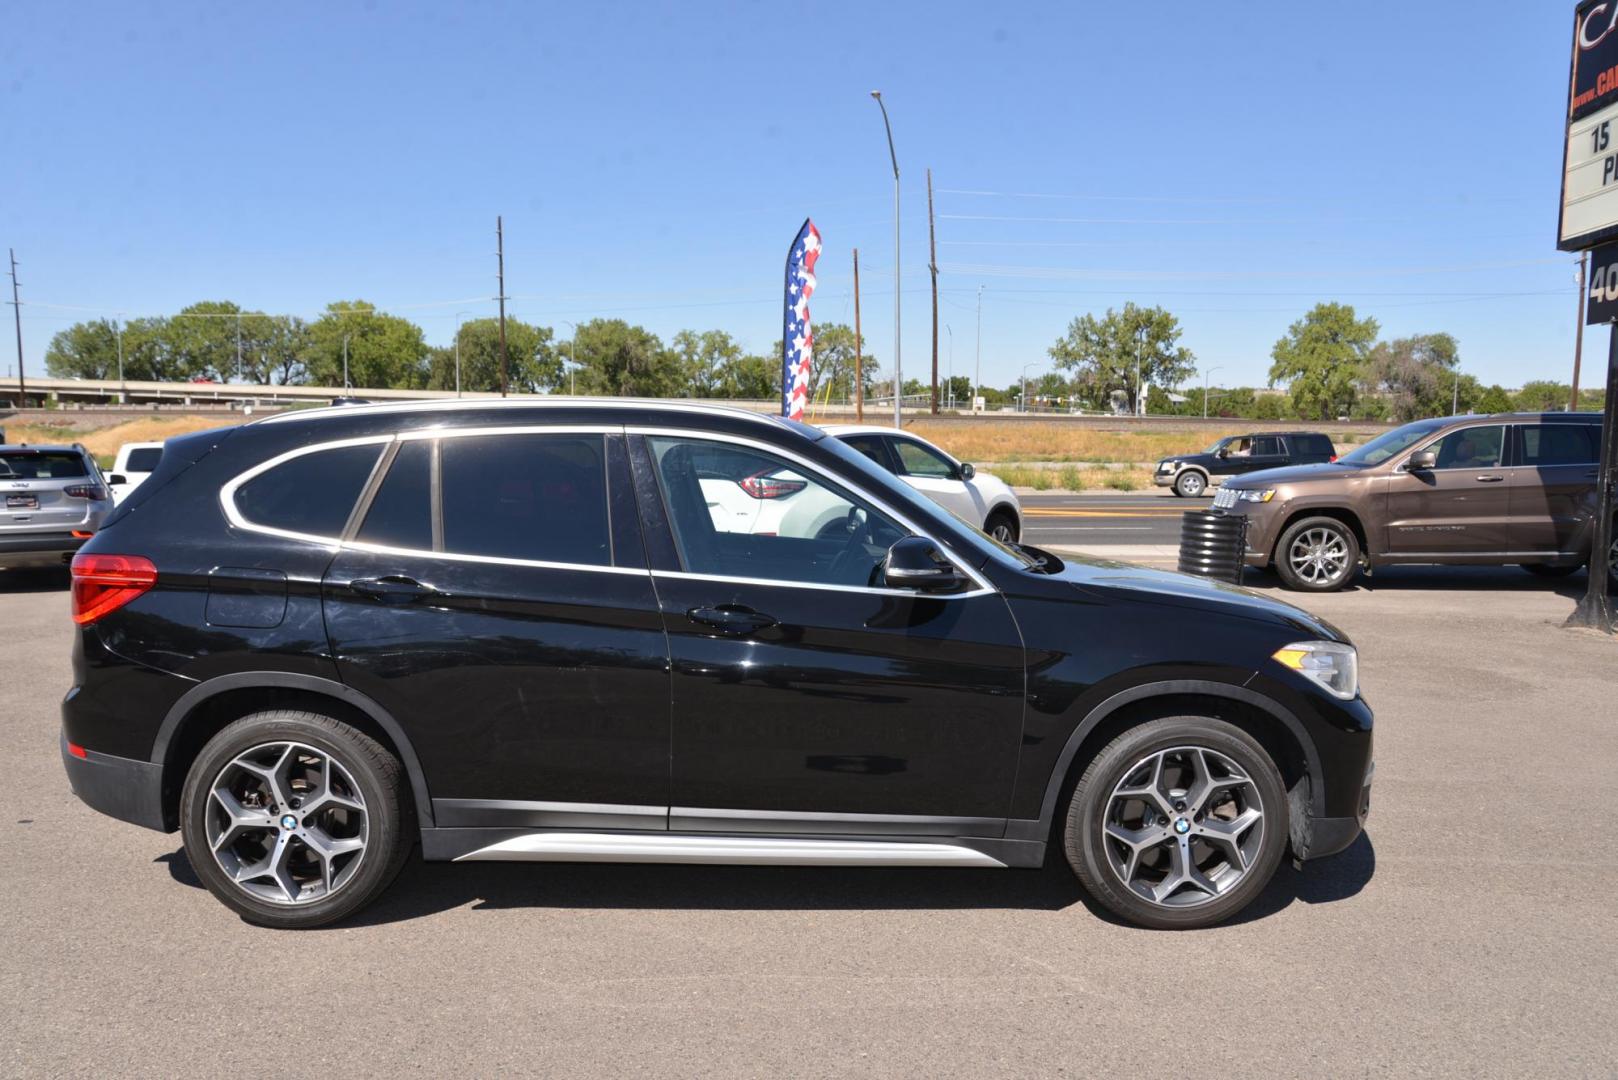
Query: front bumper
x=1330, y=835
x=1261, y=530
x=38, y=549
x=123, y=788
x=1164, y=479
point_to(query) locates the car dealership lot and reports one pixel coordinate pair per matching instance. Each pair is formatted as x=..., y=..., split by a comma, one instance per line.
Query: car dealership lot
x=1470, y=932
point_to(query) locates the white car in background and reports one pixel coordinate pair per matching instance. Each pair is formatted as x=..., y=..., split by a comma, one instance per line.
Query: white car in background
x=134, y=463
x=984, y=500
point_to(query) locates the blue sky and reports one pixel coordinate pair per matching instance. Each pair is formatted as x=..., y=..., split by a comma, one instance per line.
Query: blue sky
x=1235, y=163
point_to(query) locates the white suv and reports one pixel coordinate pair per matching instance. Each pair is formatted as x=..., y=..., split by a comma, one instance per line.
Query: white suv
x=984, y=500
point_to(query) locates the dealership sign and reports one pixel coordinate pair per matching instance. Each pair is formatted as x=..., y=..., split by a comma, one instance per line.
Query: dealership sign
x=1590, y=165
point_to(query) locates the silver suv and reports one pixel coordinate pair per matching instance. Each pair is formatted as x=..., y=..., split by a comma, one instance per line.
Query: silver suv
x=55, y=500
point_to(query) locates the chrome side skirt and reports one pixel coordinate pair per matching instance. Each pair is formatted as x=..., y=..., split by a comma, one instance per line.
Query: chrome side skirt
x=723, y=850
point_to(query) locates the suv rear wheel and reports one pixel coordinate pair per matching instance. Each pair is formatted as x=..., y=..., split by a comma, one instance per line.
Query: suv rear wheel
x=1178, y=823
x=1317, y=554
x=293, y=819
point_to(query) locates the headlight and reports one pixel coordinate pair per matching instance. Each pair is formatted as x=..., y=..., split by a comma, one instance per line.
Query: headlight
x=1168, y=466
x=1256, y=495
x=1332, y=664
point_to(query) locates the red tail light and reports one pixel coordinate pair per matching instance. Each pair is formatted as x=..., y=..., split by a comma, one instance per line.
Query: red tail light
x=761, y=486
x=104, y=583
x=85, y=491
x=1332, y=458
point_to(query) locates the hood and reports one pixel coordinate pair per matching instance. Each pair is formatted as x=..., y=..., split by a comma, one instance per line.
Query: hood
x=1292, y=474
x=1126, y=581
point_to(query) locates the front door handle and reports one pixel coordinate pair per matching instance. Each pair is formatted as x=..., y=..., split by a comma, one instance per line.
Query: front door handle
x=393, y=589
x=1490, y=479
x=731, y=619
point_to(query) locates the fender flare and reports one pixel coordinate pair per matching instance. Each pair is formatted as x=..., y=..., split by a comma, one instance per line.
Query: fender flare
x=1205, y=688
x=280, y=680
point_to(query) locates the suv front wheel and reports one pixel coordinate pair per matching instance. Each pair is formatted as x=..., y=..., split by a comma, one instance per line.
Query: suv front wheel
x=1317, y=554
x=293, y=819
x=1178, y=823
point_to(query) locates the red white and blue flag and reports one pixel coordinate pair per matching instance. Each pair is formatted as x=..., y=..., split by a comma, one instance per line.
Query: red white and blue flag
x=797, y=339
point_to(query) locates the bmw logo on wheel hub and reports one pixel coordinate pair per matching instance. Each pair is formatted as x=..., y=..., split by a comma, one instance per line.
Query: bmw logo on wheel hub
x=1182, y=826
x=288, y=822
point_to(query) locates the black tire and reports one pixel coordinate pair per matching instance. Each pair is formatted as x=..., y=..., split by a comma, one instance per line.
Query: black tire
x=1002, y=519
x=378, y=781
x=1546, y=570
x=1292, y=578
x=1084, y=840
x=1190, y=484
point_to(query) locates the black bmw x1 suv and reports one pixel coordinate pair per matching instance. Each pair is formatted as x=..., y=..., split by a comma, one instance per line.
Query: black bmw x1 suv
x=644, y=632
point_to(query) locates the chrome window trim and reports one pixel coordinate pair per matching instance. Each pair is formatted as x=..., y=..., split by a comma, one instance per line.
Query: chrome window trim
x=227, y=500
x=982, y=583
x=1441, y=435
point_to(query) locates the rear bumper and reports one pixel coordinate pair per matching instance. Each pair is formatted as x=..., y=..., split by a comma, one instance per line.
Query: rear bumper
x=39, y=549
x=123, y=788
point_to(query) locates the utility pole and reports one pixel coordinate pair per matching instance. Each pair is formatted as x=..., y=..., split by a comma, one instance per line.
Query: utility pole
x=500, y=254
x=859, y=369
x=345, y=362
x=16, y=312
x=1140, y=340
x=238, y=346
x=949, y=377
x=123, y=390
x=1579, y=277
x=898, y=368
x=1455, y=398
x=932, y=265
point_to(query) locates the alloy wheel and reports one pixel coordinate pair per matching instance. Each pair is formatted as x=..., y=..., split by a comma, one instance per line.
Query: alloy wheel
x=287, y=823
x=1318, y=556
x=1002, y=532
x=1183, y=826
x=1191, y=485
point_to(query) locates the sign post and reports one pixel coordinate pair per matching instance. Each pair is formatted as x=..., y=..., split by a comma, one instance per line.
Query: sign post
x=1589, y=218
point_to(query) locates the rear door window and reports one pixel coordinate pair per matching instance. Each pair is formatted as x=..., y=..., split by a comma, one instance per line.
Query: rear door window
x=1545, y=445
x=538, y=497
x=401, y=513
x=312, y=494
x=1266, y=446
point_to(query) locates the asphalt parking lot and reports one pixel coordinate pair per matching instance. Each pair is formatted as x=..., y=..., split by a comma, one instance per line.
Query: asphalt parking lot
x=1472, y=932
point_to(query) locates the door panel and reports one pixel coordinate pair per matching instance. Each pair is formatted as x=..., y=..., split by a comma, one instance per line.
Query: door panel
x=1553, y=486
x=1462, y=507
x=516, y=681
x=817, y=695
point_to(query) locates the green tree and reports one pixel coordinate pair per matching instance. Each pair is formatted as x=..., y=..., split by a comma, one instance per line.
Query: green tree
x=958, y=390
x=1271, y=407
x=751, y=377
x=200, y=341
x=625, y=361
x=532, y=362
x=383, y=350
x=86, y=350
x=1415, y=375
x=1495, y=399
x=1321, y=359
x=1101, y=354
x=1543, y=395
x=702, y=358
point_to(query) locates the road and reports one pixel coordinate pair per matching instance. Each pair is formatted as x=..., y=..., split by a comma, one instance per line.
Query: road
x=1470, y=933
x=1105, y=520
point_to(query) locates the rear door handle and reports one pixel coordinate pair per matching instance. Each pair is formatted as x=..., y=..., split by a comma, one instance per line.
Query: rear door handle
x=731, y=619
x=393, y=589
x=1490, y=479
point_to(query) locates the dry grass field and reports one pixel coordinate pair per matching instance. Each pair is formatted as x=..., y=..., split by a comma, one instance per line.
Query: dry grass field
x=104, y=442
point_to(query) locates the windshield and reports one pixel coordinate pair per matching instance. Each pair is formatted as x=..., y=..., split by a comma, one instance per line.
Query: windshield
x=1214, y=449
x=1391, y=444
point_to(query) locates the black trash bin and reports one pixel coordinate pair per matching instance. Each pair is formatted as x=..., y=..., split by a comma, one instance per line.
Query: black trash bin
x=1212, y=545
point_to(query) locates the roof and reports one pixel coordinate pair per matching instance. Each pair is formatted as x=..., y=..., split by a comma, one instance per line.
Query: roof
x=55, y=448
x=524, y=403
x=857, y=429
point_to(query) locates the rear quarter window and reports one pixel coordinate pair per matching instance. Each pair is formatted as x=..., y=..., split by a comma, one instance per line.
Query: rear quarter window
x=1312, y=445
x=311, y=494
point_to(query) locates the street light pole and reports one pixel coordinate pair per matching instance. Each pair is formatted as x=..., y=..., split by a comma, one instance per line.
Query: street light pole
x=345, y=361
x=977, y=368
x=1025, y=368
x=1205, y=375
x=123, y=390
x=1140, y=340
x=898, y=369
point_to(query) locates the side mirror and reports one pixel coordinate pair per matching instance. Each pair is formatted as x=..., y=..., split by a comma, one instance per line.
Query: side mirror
x=1423, y=460
x=118, y=479
x=915, y=563
x=967, y=470
x=1222, y=452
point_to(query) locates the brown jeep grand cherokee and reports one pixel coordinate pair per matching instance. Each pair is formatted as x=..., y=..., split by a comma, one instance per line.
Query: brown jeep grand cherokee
x=1467, y=489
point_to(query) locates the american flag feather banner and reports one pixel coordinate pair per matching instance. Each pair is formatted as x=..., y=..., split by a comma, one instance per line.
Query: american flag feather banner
x=797, y=340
